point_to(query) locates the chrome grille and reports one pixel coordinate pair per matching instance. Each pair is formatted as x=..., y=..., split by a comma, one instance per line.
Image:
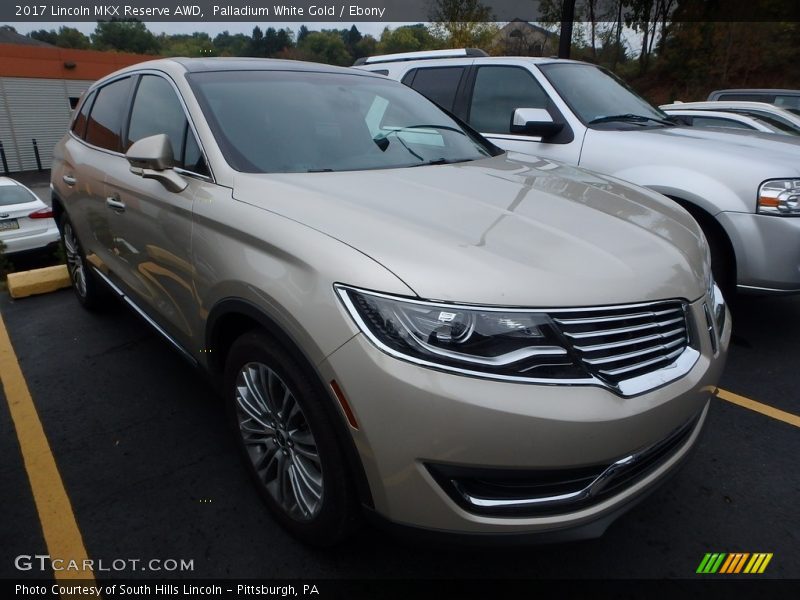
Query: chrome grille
x=619, y=343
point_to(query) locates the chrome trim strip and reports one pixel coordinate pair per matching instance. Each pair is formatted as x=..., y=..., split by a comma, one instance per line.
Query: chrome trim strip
x=586, y=492
x=640, y=365
x=623, y=343
x=144, y=315
x=510, y=309
x=631, y=387
x=133, y=73
x=590, y=320
x=604, y=332
x=776, y=291
x=618, y=357
x=599, y=483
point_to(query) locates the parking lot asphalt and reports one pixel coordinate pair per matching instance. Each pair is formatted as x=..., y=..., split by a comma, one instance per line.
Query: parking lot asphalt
x=151, y=469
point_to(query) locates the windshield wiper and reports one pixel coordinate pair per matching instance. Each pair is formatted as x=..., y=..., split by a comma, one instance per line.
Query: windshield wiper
x=443, y=161
x=629, y=118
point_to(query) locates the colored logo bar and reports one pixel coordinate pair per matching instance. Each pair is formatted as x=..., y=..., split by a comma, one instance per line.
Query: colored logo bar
x=734, y=562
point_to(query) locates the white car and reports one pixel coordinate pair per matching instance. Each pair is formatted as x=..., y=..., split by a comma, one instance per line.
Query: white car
x=786, y=120
x=742, y=187
x=26, y=223
x=720, y=118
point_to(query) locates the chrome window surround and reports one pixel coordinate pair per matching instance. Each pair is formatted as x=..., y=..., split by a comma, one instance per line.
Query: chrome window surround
x=90, y=89
x=634, y=386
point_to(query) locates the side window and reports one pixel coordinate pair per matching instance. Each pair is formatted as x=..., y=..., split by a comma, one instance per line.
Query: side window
x=79, y=125
x=192, y=156
x=498, y=92
x=104, y=126
x=787, y=101
x=156, y=109
x=439, y=84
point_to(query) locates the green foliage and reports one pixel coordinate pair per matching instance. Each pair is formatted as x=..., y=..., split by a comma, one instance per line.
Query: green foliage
x=196, y=44
x=408, y=38
x=124, y=36
x=326, y=47
x=463, y=23
x=226, y=44
x=65, y=37
x=42, y=35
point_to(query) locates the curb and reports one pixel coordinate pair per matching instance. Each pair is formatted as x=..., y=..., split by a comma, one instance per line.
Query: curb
x=38, y=281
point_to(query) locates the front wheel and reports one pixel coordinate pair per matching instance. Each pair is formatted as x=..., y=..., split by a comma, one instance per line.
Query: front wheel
x=286, y=437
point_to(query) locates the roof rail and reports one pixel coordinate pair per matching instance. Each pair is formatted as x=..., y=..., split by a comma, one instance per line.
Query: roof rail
x=422, y=54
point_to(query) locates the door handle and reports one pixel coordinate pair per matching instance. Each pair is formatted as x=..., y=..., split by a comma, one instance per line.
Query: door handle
x=69, y=179
x=115, y=204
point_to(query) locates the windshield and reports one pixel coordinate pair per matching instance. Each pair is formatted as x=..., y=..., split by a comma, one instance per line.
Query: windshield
x=14, y=194
x=595, y=95
x=296, y=122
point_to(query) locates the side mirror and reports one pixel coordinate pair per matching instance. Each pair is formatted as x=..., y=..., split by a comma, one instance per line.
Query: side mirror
x=151, y=158
x=534, y=121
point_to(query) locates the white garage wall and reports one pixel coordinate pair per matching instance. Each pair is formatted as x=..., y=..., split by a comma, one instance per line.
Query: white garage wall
x=34, y=109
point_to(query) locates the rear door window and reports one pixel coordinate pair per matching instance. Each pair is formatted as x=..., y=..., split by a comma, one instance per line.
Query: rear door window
x=79, y=126
x=104, y=127
x=439, y=84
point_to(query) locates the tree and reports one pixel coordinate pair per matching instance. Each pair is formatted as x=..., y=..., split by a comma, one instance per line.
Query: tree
x=301, y=35
x=42, y=35
x=124, y=36
x=368, y=46
x=196, y=44
x=325, y=47
x=226, y=44
x=66, y=37
x=256, y=47
x=463, y=23
x=69, y=37
x=353, y=36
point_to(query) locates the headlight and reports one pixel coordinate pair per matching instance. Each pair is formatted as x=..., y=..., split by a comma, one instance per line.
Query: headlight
x=780, y=197
x=483, y=341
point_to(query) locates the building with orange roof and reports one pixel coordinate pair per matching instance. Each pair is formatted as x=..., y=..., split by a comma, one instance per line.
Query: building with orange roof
x=39, y=86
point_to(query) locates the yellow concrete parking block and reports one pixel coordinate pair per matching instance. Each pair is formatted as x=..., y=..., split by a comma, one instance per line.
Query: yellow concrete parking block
x=38, y=281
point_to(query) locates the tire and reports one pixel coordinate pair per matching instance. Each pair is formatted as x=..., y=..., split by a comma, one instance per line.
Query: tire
x=723, y=265
x=88, y=289
x=287, y=440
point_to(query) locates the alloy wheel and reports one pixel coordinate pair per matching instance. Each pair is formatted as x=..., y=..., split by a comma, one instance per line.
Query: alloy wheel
x=278, y=440
x=75, y=265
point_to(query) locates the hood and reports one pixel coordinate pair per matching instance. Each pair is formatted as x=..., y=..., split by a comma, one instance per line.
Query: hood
x=510, y=230
x=755, y=149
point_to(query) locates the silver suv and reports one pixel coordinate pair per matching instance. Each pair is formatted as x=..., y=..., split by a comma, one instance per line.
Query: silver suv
x=743, y=188
x=400, y=316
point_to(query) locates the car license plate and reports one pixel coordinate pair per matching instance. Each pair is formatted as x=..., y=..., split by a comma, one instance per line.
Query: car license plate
x=9, y=224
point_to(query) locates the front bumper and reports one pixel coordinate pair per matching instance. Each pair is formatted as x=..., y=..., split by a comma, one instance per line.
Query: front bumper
x=767, y=251
x=410, y=417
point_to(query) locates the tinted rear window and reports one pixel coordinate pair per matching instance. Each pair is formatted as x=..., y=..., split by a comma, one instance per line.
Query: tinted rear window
x=13, y=194
x=79, y=126
x=108, y=112
x=439, y=85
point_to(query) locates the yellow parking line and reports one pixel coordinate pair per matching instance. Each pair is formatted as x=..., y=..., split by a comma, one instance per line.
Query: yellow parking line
x=61, y=533
x=764, y=409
